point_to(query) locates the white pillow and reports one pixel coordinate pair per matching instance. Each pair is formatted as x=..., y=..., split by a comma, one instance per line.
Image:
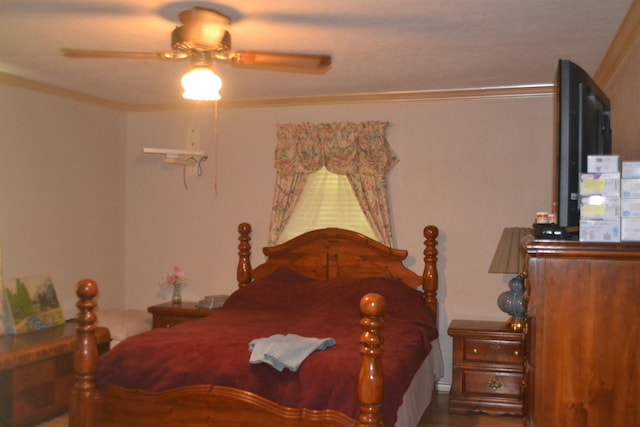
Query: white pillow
x=124, y=323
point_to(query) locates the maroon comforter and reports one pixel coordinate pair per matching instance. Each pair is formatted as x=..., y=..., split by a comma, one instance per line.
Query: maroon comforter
x=215, y=349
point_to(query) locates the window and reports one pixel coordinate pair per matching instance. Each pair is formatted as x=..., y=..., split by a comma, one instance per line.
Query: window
x=327, y=201
x=359, y=151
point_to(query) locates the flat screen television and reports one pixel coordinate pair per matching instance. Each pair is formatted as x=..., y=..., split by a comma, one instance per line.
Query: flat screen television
x=584, y=128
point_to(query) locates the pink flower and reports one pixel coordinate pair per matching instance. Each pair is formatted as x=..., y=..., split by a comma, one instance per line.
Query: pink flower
x=174, y=278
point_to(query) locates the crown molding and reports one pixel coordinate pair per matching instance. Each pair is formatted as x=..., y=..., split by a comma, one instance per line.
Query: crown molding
x=33, y=85
x=382, y=97
x=409, y=96
x=621, y=45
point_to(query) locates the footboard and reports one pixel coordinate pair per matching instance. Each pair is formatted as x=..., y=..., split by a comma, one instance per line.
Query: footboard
x=213, y=405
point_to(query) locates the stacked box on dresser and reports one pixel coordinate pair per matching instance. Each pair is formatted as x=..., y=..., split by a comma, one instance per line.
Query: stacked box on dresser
x=600, y=200
x=630, y=201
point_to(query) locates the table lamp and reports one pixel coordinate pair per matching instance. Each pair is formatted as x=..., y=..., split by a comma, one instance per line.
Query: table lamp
x=509, y=258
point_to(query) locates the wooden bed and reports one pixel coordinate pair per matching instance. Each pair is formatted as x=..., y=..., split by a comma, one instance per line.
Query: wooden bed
x=321, y=254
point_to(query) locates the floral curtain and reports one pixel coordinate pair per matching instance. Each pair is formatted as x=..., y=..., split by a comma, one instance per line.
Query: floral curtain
x=358, y=150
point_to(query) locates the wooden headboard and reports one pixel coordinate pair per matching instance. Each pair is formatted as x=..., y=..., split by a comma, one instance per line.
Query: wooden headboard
x=333, y=252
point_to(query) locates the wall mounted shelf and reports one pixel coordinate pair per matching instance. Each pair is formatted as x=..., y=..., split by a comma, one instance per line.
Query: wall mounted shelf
x=178, y=157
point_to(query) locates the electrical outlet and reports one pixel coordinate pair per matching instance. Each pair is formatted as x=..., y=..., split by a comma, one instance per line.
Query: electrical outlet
x=193, y=138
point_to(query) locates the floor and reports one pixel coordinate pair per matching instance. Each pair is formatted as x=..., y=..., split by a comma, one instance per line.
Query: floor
x=435, y=416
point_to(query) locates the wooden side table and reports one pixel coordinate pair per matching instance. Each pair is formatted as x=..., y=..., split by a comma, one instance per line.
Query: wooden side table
x=488, y=368
x=167, y=315
x=36, y=373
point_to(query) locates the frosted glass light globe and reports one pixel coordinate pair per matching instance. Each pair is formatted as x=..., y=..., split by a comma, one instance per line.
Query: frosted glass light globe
x=201, y=84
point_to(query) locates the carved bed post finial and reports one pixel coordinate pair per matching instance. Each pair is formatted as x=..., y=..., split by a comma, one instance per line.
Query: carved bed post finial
x=370, y=381
x=430, y=274
x=244, y=255
x=85, y=357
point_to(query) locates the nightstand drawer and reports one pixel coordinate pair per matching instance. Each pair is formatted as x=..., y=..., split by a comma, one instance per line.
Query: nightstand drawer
x=167, y=315
x=488, y=383
x=168, y=321
x=493, y=351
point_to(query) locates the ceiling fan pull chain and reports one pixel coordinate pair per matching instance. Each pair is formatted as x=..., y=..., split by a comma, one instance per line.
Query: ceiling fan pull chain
x=215, y=149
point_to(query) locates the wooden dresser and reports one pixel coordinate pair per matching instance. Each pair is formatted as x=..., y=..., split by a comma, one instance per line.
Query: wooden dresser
x=582, y=363
x=36, y=373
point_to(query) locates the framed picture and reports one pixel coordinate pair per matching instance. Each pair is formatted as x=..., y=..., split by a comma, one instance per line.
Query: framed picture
x=6, y=323
x=32, y=304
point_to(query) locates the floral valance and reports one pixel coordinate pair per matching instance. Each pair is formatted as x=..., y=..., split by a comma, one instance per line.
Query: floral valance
x=344, y=148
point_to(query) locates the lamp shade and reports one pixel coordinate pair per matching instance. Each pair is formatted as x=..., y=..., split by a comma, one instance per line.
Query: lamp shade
x=509, y=256
x=200, y=83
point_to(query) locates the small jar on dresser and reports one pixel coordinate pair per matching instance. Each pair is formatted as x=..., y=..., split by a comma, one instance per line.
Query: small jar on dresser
x=488, y=368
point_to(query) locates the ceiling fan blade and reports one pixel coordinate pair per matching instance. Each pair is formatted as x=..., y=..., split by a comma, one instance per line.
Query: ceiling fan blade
x=288, y=62
x=116, y=54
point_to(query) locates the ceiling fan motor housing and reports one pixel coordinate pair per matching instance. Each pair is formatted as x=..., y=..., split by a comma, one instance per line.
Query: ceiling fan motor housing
x=185, y=40
x=202, y=29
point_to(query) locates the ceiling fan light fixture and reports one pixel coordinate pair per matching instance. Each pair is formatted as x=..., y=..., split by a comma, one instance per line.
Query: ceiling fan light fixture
x=201, y=83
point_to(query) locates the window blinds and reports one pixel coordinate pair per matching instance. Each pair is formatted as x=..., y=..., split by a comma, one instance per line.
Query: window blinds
x=327, y=201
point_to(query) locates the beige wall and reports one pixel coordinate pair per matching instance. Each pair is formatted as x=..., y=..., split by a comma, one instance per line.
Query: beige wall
x=62, y=180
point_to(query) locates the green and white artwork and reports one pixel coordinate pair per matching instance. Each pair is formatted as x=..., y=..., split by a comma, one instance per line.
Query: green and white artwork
x=6, y=324
x=32, y=303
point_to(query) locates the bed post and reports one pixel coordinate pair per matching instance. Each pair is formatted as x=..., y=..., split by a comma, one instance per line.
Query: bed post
x=244, y=255
x=85, y=358
x=371, y=381
x=430, y=274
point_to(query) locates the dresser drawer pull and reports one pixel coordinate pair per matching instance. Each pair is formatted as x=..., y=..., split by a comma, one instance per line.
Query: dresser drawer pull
x=475, y=351
x=516, y=353
x=494, y=385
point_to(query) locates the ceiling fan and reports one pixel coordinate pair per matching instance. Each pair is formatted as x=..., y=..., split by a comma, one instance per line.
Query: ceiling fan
x=204, y=37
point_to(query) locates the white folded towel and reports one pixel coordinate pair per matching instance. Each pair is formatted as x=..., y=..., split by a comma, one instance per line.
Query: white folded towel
x=286, y=351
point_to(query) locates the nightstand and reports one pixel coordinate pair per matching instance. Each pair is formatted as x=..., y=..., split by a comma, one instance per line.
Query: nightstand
x=488, y=368
x=167, y=314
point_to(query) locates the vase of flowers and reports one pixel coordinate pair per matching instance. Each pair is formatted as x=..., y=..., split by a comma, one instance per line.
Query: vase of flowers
x=175, y=279
x=176, y=298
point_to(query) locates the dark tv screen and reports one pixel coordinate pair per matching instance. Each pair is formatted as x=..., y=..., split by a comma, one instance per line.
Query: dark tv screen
x=584, y=128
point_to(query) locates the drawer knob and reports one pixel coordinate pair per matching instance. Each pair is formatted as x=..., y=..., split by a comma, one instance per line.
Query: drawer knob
x=475, y=351
x=516, y=353
x=494, y=385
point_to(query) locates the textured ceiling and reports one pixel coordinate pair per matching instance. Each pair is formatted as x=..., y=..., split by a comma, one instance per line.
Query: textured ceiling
x=376, y=46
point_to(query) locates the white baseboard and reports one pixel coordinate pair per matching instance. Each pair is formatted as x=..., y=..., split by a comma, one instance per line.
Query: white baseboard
x=443, y=387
